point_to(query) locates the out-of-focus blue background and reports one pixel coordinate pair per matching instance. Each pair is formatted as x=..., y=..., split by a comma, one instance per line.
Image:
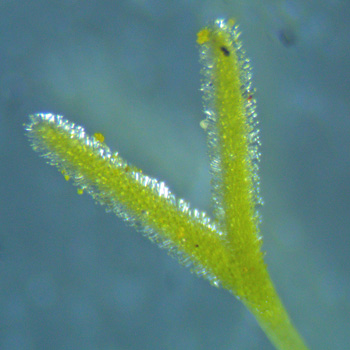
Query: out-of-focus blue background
x=74, y=277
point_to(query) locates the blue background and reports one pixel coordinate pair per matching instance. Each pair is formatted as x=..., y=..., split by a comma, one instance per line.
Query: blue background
x=74, y=277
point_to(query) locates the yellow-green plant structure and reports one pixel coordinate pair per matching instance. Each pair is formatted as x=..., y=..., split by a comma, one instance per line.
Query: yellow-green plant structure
x=226, y=249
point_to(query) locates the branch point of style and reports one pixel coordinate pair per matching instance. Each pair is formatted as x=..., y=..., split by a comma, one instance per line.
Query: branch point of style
x=226, y=250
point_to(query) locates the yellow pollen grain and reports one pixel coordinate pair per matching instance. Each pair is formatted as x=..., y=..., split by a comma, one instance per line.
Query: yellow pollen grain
x=203, y=36
x=99, y=137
